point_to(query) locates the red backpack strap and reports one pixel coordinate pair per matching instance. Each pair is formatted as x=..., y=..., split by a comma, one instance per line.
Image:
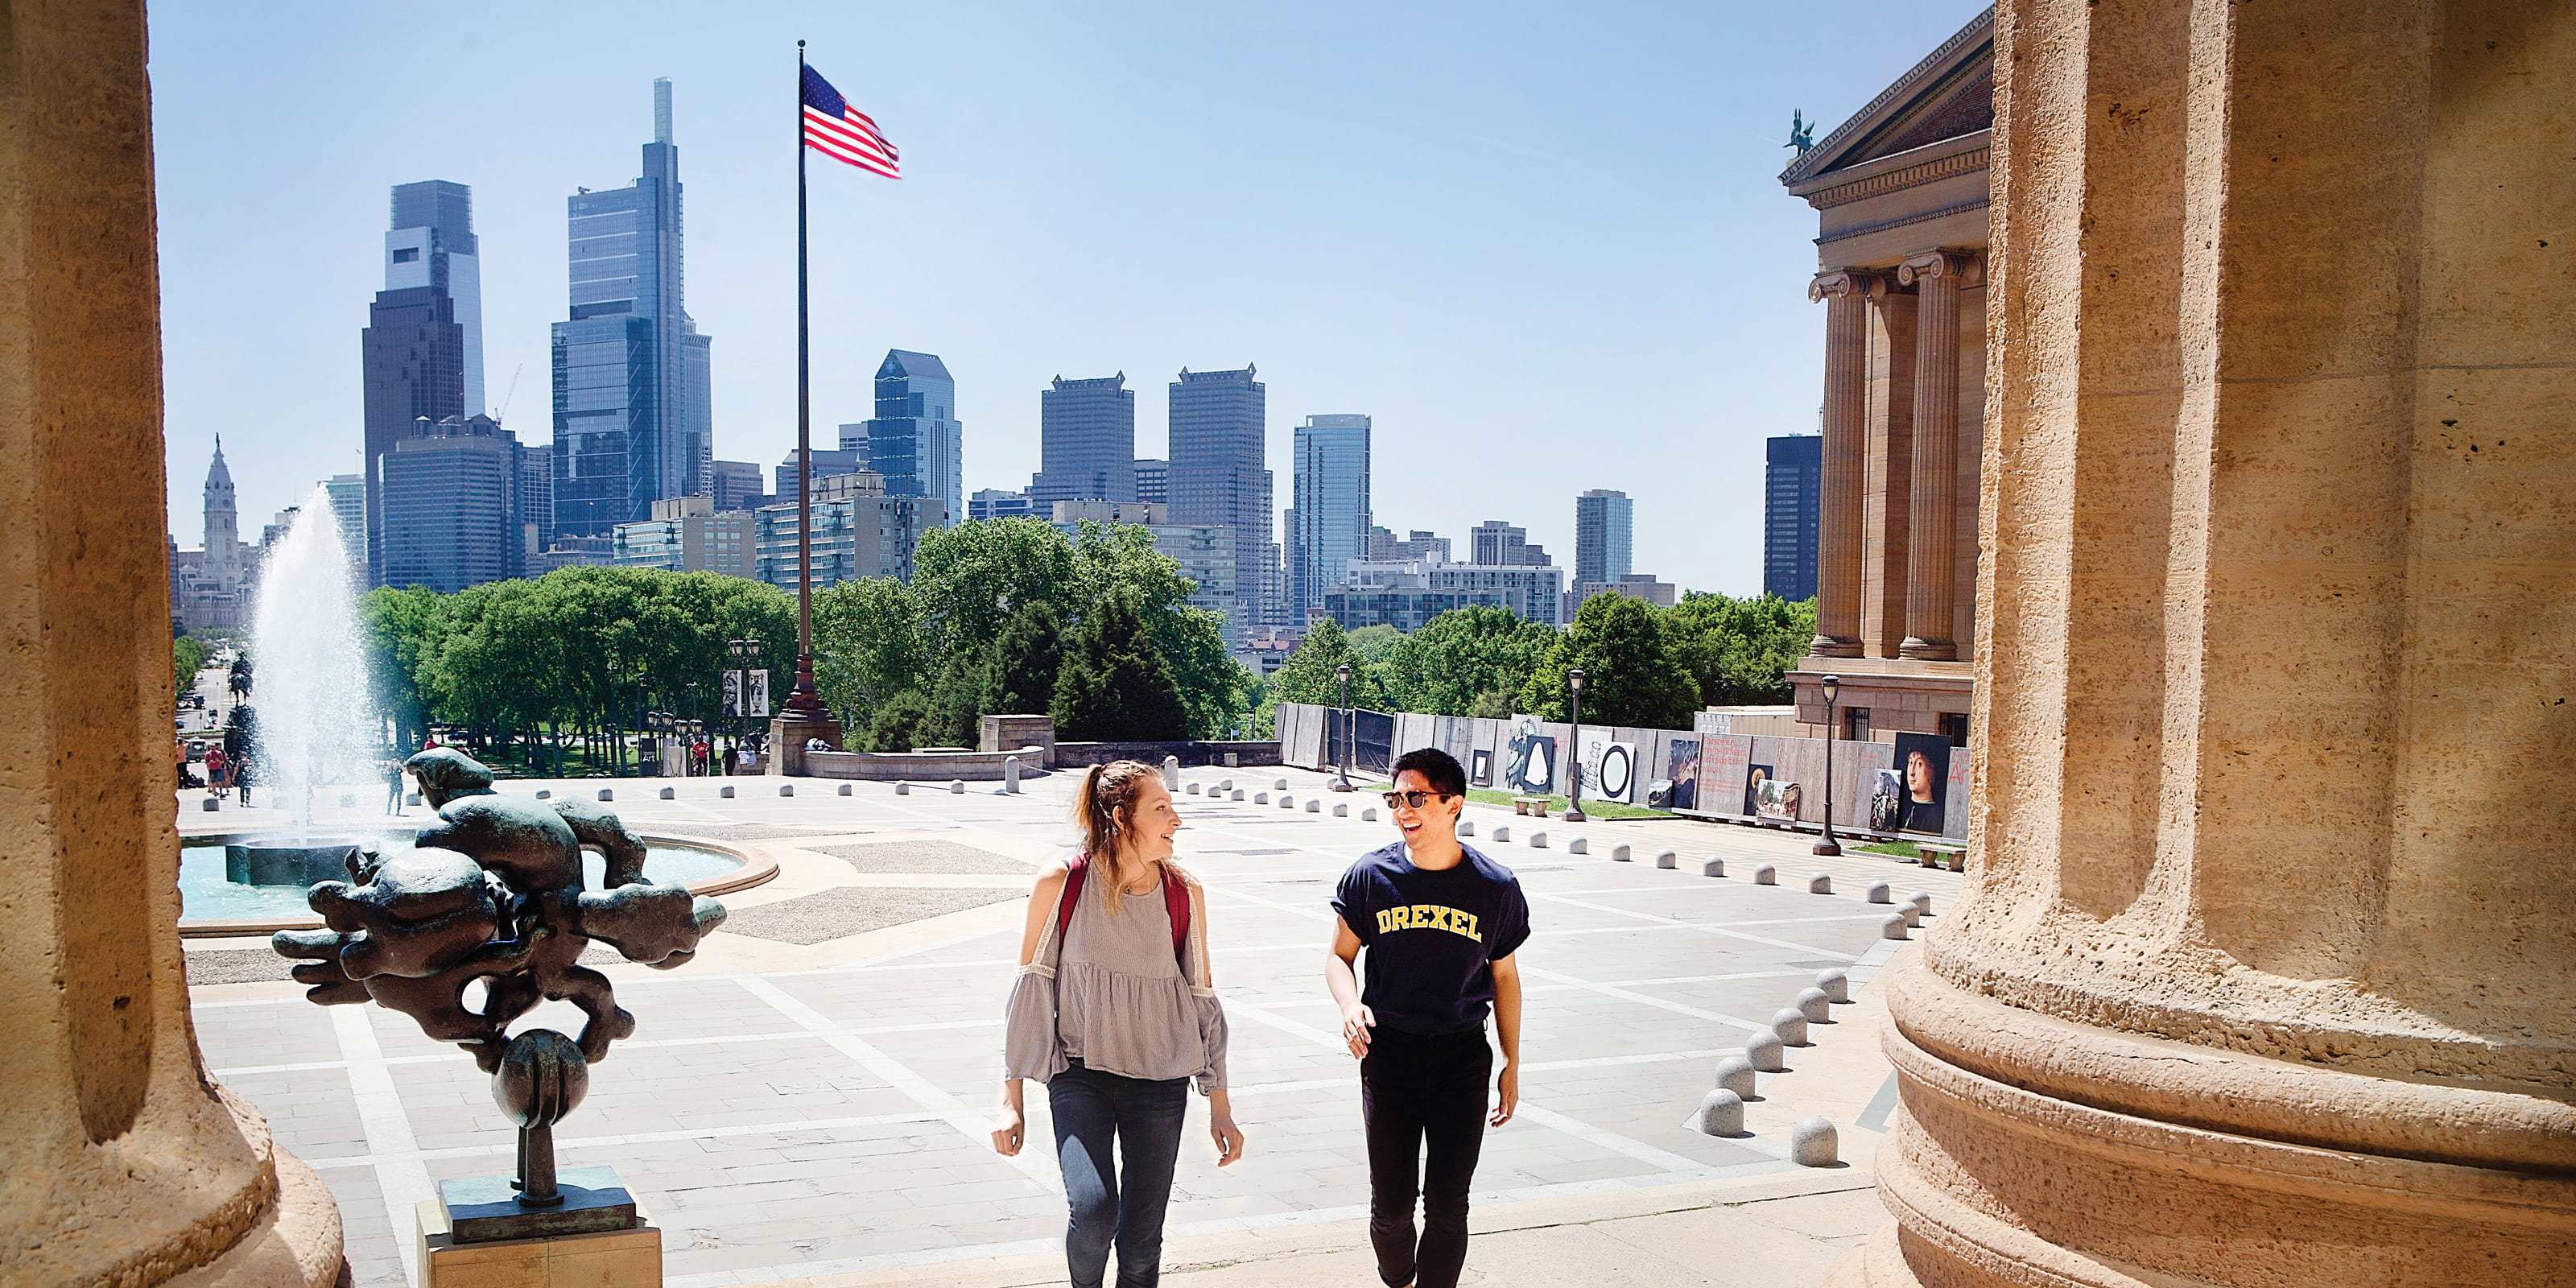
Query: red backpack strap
x=1176, y=901
x=1064, y=905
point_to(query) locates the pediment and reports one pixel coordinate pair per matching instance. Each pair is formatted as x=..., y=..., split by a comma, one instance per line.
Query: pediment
x=1950, y=94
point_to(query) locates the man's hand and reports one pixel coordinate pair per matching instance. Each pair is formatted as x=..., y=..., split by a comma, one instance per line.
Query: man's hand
x=1507, y=1095
x=1009, y=1130
x=1356, y=1023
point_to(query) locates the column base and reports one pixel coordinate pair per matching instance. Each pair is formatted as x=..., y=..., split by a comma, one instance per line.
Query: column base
x=1923, y=650
x=295, y=1245
x=1834, y=646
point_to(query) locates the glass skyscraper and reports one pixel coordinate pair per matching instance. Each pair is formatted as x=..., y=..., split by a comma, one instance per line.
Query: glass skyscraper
x=1329, y=524
x=1792, y=501
x=915, y=439
x=1218, y=476
x=631, y=373
x=1604, y=536
x=1086, y=442
x=422, y=350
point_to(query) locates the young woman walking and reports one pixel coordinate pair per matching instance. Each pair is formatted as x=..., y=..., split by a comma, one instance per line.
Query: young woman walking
x=1115, y=1012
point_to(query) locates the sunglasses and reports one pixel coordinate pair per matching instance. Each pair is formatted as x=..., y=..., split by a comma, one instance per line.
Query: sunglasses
x=1413, y=800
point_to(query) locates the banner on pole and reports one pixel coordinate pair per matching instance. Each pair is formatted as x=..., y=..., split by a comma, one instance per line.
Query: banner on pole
x=759, y=691
x=733, y=694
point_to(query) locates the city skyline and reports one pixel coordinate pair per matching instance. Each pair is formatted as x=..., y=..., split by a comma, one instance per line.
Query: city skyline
x=1020, y=262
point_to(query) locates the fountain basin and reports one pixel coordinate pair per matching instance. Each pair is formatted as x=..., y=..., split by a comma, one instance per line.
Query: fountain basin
x=289, y=865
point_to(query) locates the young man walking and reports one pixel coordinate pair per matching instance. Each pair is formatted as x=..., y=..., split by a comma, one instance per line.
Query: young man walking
x=1440, y=922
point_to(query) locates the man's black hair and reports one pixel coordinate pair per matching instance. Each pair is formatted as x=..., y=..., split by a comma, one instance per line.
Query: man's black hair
x=1437, y=767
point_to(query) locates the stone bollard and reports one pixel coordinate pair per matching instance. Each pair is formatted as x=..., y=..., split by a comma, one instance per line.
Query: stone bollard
x=1893, y=927
x=725, y=791
x=1821, y=883
x=1735, y=1073
x=1538, y=840
x=1341, y=809
x=1767, y=1053
x=1913, y=915
x=541, y=795
x=211, y=805
x=1171, y=773
x=1667, y=859
x=956, y=786
x=1791, y=1025
x=1279, y=784
x=1314, y=806
x=1466, y=827
x=667, y=793
x=1878, y=892
x=1812, y=1143
x=1922, y=905
x=606, y=794
x=1287, y=802
x=1011, y=776
x=1766, y=875
x=1368, y=813
x=787, y=789
x=1578, y=846
x=1258, y=798
x=1193, y=789
x=1834, y=984
x=1225, y=785
x=1619, y=854
x=1713, y=868
x=1238, y=793
x=842, y=790
x=1502, y=835
x=1720, y=1113
x=1816, y=1005
x=902, y=788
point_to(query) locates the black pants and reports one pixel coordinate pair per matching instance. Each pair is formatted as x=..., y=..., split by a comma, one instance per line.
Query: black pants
x=1423, y=1096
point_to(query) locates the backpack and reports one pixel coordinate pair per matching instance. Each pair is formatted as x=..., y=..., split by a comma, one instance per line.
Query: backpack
x=1176, y=902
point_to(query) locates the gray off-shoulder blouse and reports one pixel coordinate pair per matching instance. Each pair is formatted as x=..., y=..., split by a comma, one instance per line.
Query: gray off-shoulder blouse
x=1112, y=994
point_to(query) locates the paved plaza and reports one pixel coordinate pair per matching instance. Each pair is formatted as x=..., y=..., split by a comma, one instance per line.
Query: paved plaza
x=812, y=1096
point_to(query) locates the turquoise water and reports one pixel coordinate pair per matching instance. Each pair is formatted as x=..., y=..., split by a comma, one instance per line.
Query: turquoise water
x=204, y=894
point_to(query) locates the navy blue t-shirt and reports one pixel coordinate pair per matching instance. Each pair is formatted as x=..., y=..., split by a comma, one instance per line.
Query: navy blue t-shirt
x=1431, y=937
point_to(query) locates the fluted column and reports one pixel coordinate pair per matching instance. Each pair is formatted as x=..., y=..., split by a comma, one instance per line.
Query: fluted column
x=2263, y=973
x=1931, y=553
x=1838, y=528
x=121, y=1163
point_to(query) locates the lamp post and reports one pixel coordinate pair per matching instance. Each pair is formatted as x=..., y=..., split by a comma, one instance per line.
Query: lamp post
x=1342, y=771
x=742, y=653
x=1574, y=771
x=1833, y=687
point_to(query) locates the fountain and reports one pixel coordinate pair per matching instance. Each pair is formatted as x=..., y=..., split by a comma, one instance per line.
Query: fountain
x=315, y=733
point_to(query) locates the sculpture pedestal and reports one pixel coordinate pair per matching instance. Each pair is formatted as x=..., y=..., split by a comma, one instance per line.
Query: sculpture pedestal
x=787, y=735
x=627, y=1258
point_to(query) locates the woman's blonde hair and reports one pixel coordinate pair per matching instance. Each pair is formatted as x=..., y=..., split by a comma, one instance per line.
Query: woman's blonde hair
x=1104, y=807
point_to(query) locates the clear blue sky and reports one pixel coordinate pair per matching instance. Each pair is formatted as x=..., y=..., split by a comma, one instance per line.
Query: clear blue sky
x=1544, y=246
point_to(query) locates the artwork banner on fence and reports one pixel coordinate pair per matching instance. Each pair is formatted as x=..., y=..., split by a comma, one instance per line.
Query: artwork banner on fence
x=1609, y=768
x=1530, y=767
x=1777, y=800
x=1480, y=768
x=1680, y=788
x=1756, y=777
x=1923, y=764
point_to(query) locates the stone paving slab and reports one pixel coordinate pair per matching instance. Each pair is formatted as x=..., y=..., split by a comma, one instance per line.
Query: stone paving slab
x=924, y=857
x=819, y=1105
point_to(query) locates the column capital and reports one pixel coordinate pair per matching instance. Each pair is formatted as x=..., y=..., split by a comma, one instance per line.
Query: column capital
x=1847, y=282
x=1966, y=265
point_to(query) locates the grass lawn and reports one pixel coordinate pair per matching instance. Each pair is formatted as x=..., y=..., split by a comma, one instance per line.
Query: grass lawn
x=1901, y=849
x=1555, y=804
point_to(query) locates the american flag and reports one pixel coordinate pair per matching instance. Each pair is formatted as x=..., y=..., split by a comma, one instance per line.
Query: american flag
x=842, y=132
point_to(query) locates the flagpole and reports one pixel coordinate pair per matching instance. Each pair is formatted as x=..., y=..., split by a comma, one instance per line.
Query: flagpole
x=803, y=702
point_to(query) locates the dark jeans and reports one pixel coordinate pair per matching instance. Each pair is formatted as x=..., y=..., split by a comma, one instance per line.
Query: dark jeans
x=1423, y=1095
x=1111, y=1202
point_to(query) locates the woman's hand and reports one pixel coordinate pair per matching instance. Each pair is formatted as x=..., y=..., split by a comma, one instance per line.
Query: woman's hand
x=1229, y=1138
x=1009, y=1130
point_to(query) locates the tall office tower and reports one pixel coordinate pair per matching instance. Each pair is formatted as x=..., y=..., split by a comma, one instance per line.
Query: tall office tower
x=1792, y=503
x=452, y=505
x=735, y=485
x=422, y=350
x=1499, y=544
x=632, y=421
x=536, y=504
x=1086, y=442
x=1154, y=482
x=826, y=465
x=854, y=438
x=1329, y=525
x=915, y=439
x=1216, y=442
x=349, y=508
x=1604, y=536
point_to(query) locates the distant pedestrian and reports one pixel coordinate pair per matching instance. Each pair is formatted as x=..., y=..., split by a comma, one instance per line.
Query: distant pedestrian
x=1115, y=1012
x=1441, y=923
x=240, y=767
x=394, y=789
x=218, y=771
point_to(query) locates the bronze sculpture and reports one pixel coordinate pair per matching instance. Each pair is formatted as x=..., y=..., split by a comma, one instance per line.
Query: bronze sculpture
x=494, y=891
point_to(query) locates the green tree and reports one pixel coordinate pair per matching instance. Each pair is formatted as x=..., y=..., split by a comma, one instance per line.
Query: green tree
x=896, y=724
x=1739, y=651
x=1312, y=675
x=187, y=657
x=1466, y=662
x=869, y=645
x=1114, y=686
x=1631, y=675
x=962, y=693
x=400, y=630
x=968, y=579
x=1026, y=657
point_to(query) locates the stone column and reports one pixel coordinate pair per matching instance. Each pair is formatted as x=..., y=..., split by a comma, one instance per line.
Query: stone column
x=1838, y=528
x=120, y=1162
x=2263, y=974
x=1931, y=553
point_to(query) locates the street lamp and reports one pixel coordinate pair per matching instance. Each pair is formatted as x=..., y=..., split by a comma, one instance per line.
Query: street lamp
x=1833, y=687
x=1342, y=771
x=742, y=653
x=1574, y=768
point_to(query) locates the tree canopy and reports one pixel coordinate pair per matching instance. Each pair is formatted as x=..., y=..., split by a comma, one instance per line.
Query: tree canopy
x=1632, y=674
x=1740, y=650
x=1466, y=662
